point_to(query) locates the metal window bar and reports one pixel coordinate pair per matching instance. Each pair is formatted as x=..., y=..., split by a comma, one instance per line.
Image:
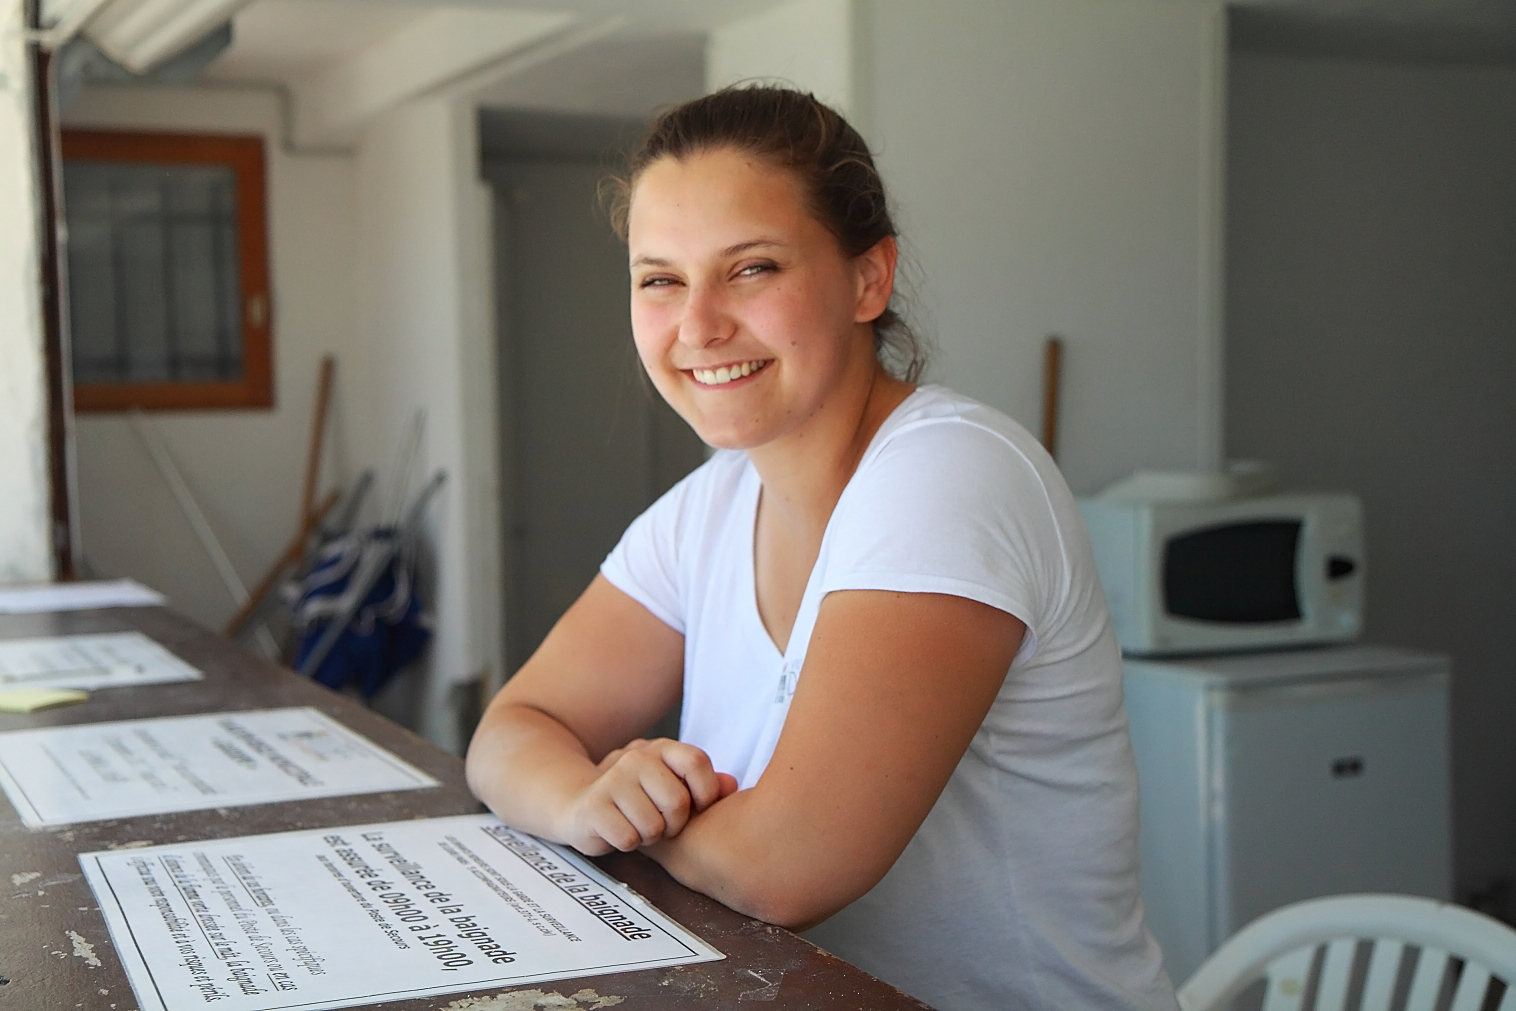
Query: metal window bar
x=118, y=271
x=218, y=220
x=218, y=269
x=173, y=366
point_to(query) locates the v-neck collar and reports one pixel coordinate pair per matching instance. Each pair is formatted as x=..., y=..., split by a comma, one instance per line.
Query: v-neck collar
x=752, y=492
x=750, y=524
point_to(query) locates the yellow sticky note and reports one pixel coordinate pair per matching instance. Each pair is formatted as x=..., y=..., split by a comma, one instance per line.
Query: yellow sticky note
x=29, y=700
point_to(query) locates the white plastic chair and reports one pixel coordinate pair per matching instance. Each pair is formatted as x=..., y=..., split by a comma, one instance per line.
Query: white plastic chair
x=1282, y=946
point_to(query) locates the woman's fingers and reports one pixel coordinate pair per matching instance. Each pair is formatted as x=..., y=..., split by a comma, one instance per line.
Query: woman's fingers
x=693, y=766
x=663, y=786
x=606, y=822
x=669, y=794
x=592, y=845
x=615, y=756
x=639, y=810
x=646, y=791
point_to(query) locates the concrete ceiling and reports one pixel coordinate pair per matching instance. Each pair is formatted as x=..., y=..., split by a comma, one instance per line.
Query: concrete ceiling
x=624, y=76
x=279, y=40
x=629, y=57
x=633, y=55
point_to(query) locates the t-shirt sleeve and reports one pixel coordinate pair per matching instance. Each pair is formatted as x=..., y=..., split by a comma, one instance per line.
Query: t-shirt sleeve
x=644, y=564
x=952, y=507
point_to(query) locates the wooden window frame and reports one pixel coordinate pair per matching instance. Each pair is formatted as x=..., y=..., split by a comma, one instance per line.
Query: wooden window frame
x=244, y=156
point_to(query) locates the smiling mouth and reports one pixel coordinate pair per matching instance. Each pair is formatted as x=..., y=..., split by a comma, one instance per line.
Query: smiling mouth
x=727, y=373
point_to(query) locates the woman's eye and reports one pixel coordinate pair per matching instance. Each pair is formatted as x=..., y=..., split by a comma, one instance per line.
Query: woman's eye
x=656, y=281
x=755, y=269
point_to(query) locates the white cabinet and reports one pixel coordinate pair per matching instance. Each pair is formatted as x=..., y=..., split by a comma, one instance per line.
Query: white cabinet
x=1268, y=778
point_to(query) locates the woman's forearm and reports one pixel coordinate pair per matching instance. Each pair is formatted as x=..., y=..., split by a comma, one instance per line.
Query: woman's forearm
x=527, y=767
x=710, y=855
x=537, y=775
x=745, y=856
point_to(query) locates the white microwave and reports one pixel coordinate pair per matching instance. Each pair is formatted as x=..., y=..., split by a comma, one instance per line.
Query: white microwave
x=1250, y=573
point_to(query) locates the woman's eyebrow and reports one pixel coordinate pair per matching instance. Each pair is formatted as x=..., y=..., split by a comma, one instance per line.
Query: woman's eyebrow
x=741, y=247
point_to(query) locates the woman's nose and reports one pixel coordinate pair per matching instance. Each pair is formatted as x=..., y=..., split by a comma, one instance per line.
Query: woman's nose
x=705, y=321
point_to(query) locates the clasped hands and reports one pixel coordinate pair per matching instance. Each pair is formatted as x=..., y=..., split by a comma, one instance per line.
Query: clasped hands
x=645, y=791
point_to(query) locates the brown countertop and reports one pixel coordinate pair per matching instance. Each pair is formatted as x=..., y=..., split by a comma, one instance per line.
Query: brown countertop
x=51, y=930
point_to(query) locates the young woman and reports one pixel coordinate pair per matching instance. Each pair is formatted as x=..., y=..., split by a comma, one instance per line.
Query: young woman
x=902, y=722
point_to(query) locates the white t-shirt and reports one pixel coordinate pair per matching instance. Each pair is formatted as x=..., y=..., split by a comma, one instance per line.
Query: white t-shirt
x=1020, y=889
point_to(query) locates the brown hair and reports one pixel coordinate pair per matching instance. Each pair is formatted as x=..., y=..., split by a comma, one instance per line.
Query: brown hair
x=793, y=131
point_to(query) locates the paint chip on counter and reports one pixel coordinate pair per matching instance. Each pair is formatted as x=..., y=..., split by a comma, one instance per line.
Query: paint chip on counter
x=83, y=949
x=536, y=1000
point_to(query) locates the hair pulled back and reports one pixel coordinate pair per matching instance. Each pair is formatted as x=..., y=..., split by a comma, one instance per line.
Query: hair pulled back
x=791, y=130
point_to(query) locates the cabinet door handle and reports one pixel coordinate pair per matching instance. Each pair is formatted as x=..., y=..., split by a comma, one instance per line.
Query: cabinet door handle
x=1347, y=768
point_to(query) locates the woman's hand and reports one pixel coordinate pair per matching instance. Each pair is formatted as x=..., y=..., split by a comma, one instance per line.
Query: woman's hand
x=645, y=791
x=607, y=671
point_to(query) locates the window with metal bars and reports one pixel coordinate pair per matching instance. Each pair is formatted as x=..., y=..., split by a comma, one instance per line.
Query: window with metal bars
x=167, y=271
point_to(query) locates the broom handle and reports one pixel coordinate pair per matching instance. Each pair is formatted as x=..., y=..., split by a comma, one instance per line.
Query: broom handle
x=318, y=440
x=292, y=554
x=1052, y=371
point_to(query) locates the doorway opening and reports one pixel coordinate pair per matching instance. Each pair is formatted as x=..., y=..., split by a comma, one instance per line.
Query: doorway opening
x=586, y=443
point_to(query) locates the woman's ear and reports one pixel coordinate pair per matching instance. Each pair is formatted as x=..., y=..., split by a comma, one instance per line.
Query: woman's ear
x=876, y=279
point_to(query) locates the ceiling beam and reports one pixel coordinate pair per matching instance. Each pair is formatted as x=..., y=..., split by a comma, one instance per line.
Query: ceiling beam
x=434, y=51
x=140, y=34
x=62, y=19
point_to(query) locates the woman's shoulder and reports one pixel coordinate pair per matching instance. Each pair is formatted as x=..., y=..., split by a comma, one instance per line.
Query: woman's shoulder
x=945, y=462
x=940, y=430
x=711, y=490
x=955, y=497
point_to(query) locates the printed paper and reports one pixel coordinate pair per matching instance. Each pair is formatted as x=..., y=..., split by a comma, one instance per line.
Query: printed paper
x=88, y=662
x=77, y=596
x=331, y=918
x=125, y=768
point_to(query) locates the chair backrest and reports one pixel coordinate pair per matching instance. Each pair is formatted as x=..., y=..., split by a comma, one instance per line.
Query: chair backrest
x=1282, y=946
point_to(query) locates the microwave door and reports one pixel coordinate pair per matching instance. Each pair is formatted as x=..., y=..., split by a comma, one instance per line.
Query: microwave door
x=1241, y=573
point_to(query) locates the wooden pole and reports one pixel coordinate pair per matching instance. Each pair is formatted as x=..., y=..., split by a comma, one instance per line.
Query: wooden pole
x=318, y=440
x=291, y=554
x=1052, y=374
x=310, y=513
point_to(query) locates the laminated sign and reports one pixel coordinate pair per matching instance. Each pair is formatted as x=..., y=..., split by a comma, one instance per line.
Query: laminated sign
x=330, y=918
x=129, y=768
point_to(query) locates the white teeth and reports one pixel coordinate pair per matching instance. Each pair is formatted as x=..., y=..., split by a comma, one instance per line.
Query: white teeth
x=725, y=374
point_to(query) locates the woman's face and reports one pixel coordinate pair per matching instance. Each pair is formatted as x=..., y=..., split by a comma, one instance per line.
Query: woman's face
x=747, y=315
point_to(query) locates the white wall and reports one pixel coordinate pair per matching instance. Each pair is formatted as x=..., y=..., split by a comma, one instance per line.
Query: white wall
x=1056, y=168
x=424, y=289
x=24, y=515
x=615, y=76
x=245, y=467
x=1371, y=345
x=816, y=45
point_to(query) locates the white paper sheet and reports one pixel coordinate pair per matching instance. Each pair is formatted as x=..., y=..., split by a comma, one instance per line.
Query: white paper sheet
x=331, y=918
x=61, y=775
x=77, y=596
x=87, y=662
